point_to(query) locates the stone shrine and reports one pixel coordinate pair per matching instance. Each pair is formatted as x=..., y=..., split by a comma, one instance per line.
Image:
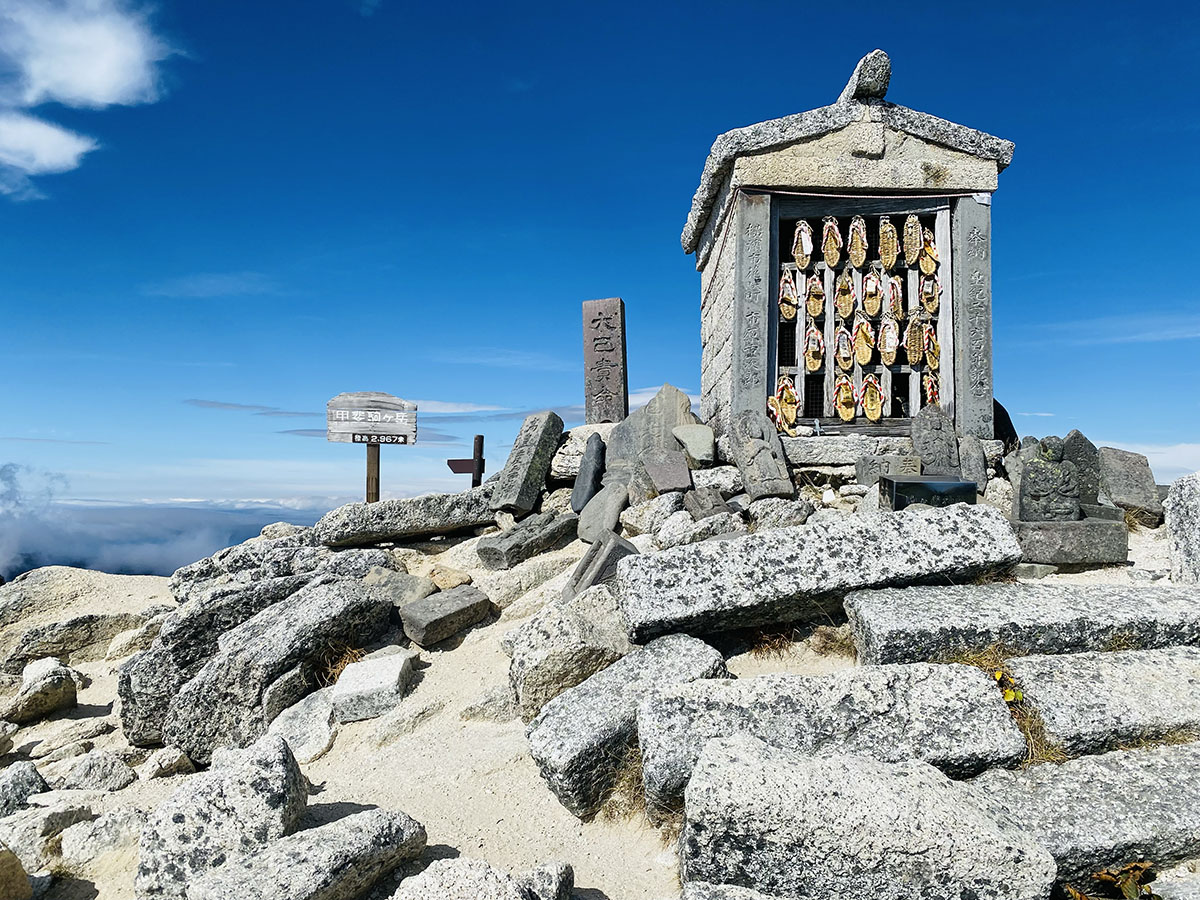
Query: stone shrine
x=845, y=260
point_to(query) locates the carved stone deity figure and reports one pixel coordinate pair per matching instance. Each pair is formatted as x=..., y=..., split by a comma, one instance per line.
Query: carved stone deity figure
x=936, y=442
x=758, y=453
x=1049, y=486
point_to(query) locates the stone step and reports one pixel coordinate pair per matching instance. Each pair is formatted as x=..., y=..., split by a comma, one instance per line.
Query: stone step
x=919, y=624
x=951, y=716
x=1104, y=811
x=1092, y=702
x=789, y=574
x=580, y=738
x=799, y=825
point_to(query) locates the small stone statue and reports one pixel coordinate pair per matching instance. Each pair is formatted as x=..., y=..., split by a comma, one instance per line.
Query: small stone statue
x=1049, y=486
x=759, y=456
x=936, y=442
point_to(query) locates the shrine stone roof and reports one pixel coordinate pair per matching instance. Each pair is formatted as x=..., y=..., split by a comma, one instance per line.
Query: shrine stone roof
x=860, y=101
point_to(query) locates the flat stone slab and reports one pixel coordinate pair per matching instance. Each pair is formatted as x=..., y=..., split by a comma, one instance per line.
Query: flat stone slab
x=444, y=614
x=950, y=716
x=580, y=738
x=369, y=688
x=1087, y=542
x=781, y=821
x=1092, y=702
x=789, y=574
x=524, y=474
x=390, y=520
x=599, y=563
x=841, y=450
x=920, y=624
x=1183, y=529
x=1108, y=810
x=339, y=860
x=531, y=536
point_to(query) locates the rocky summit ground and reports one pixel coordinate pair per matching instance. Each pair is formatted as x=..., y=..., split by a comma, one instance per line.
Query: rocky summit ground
x=713, y=696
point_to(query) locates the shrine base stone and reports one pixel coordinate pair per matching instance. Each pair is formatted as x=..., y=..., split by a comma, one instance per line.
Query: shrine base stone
x=1087, y=542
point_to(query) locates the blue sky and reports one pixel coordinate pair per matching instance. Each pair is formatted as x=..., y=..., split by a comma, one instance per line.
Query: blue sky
x=219, y=215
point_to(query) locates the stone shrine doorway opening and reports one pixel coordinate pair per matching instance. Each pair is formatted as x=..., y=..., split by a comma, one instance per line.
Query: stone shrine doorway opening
x=885, y=321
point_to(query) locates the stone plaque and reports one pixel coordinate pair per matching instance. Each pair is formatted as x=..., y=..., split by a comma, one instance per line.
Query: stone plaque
x=751, y=321
x=370, y=417
x=605, y=382
x=1049, y=486
x=972, y=256
x=868, y=467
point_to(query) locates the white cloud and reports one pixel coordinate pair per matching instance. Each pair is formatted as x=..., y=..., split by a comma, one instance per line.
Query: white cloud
x=1044, y=415
x=213, y=284
x=447, y=406
x=85, y=53
x=80, y=53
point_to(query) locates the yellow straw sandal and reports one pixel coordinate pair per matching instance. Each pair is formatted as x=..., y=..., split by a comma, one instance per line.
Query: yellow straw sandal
x=844, y=300
x=929, y=254
x=933, y=396
x=912, y=240
x=814, y=349
x=914, y=342
x=802, y=244
x=889, y=243
x=843, y=398
x=782, y=407
x=864, y=341
x=896, y=298
x=814, y=299
x=858, y=242
x=789, y=301
x=831, y=242
x=843, y=349
x=870, y=398
x=889, y=341
x=872, y=293
x=931, y=293
x=933, y=350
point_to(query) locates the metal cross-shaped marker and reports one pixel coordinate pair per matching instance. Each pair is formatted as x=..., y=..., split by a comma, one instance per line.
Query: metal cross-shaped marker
x=472, y=466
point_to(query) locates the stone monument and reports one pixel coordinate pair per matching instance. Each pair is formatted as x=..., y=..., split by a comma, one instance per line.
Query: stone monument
x=605, y=380
x=759, y=456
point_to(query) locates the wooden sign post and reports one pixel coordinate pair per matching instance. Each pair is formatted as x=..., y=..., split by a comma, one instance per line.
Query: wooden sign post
x=472, y=466
x=371, y=418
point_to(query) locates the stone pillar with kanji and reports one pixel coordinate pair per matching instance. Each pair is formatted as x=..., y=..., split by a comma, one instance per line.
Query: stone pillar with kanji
x=605, y=382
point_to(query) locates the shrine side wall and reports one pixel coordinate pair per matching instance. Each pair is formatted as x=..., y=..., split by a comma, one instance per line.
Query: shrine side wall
x=716, y=333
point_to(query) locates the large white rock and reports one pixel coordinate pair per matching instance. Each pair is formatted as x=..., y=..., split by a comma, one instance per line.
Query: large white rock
x=248, y=799
x=950, y=716
x=1100, y=811
x=1182, y=511
x=1090, y=702
x=581, y=736
x=781, y=821
x=370, y=687
x=792, y=573
x=338, y=861
x=916, y=624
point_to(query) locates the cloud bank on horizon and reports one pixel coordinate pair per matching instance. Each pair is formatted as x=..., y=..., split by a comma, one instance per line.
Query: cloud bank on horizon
x=83, y=54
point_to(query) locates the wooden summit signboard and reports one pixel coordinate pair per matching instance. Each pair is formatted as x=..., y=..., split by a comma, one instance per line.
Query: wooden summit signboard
x=371, y=418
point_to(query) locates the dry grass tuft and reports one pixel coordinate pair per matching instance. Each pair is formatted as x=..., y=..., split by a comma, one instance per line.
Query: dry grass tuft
x=1003, y=576
x=1169, y=739
x=334, y=661
x=1038, y=746
x=773, y=642
x=1119, y=641
x=1137, y=519
x=627, y=799
x=833, y=640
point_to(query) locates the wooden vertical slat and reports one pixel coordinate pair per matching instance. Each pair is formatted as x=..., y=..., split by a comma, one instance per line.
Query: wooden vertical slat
x=912, y=287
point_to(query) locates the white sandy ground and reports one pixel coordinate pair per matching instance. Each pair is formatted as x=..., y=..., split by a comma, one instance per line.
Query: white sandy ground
x=472, y=784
